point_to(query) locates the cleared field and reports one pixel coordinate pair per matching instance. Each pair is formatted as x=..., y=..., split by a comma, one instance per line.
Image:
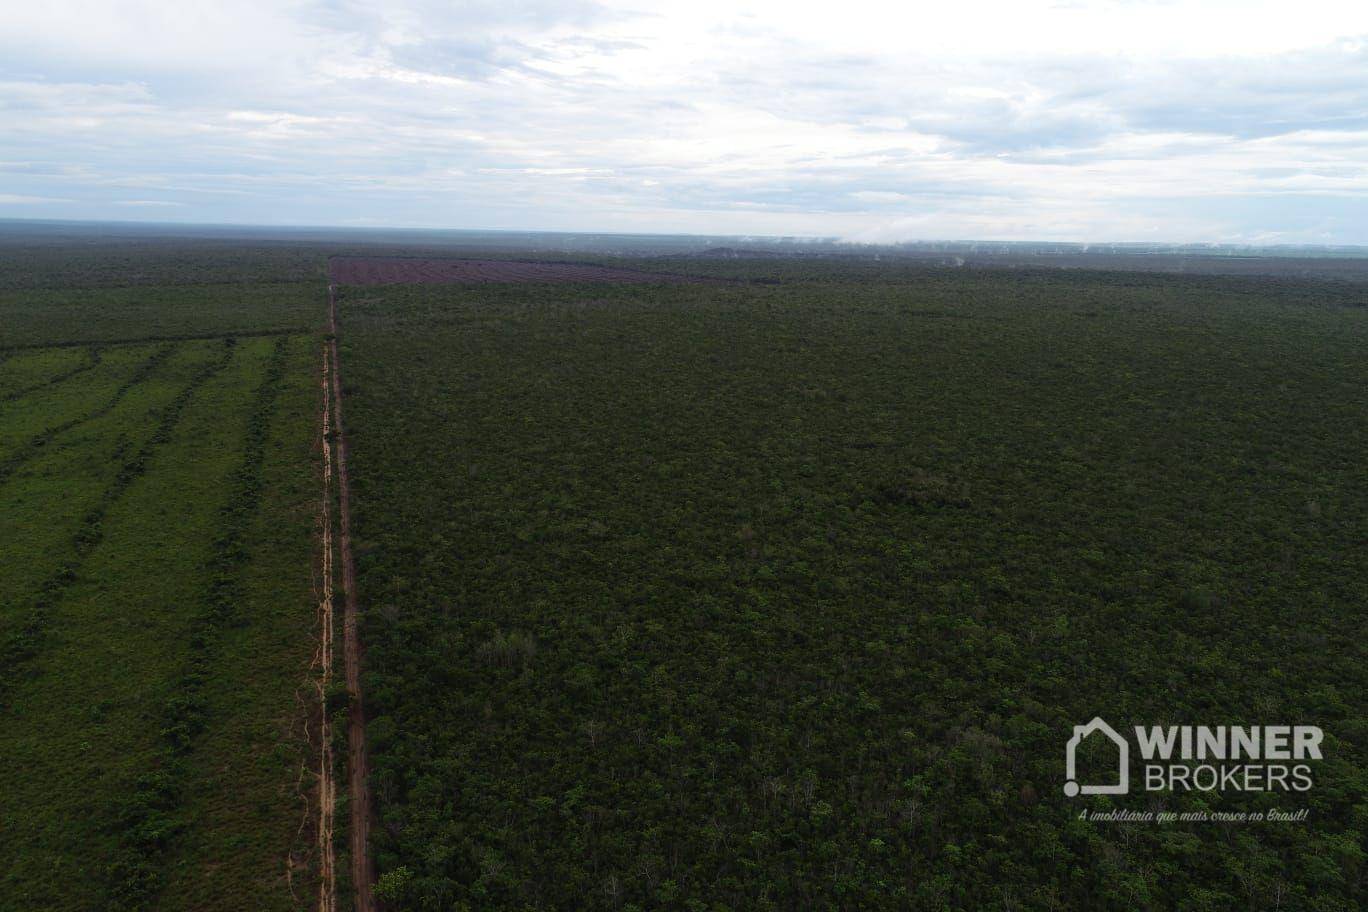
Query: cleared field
x=159, y=507
x=415, y=270
x=745, y=597
x=155, y=620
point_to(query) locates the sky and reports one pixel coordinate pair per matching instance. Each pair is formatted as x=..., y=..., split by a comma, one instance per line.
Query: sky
x=1094, y=120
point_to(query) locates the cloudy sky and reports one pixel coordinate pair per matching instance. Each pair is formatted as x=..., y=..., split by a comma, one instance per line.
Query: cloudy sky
x=1145, y=120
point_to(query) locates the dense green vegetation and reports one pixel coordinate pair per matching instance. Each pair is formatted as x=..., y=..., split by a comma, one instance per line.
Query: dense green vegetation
x=158, y=508
x=86, y=315
x=26, y=372
x=29, y=261
x=787, y=596
x=783, y=591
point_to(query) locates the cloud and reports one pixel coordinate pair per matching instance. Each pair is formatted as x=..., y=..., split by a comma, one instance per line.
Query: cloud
x=17, y=199
x=1096, y=120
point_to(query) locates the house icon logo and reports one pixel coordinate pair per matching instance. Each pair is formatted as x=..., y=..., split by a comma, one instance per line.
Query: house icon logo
x=1082, y=733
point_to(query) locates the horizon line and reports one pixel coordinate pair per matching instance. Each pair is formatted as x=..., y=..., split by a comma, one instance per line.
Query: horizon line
x=801, y=238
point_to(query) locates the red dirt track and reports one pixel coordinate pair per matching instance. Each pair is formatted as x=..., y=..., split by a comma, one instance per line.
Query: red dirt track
x=415, y=271
x=358, y=764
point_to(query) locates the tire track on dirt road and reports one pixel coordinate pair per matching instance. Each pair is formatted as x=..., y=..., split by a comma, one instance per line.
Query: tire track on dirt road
x=358, y=765
x=323, y=660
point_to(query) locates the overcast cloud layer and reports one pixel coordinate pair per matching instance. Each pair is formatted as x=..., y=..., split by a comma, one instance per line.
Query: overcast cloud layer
x=1096, y=120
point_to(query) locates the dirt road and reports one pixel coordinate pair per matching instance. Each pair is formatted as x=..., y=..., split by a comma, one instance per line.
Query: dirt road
x=358, y=767
x=323, y=660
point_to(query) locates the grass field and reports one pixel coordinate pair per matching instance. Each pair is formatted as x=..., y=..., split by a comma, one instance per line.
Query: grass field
x=788, y=596
x=158, y=508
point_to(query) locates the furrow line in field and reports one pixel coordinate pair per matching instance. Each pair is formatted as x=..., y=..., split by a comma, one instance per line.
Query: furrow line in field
x=148, y=340
x=137, y=871
x=35, y=444
x=22, y=645
x=93, y=358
